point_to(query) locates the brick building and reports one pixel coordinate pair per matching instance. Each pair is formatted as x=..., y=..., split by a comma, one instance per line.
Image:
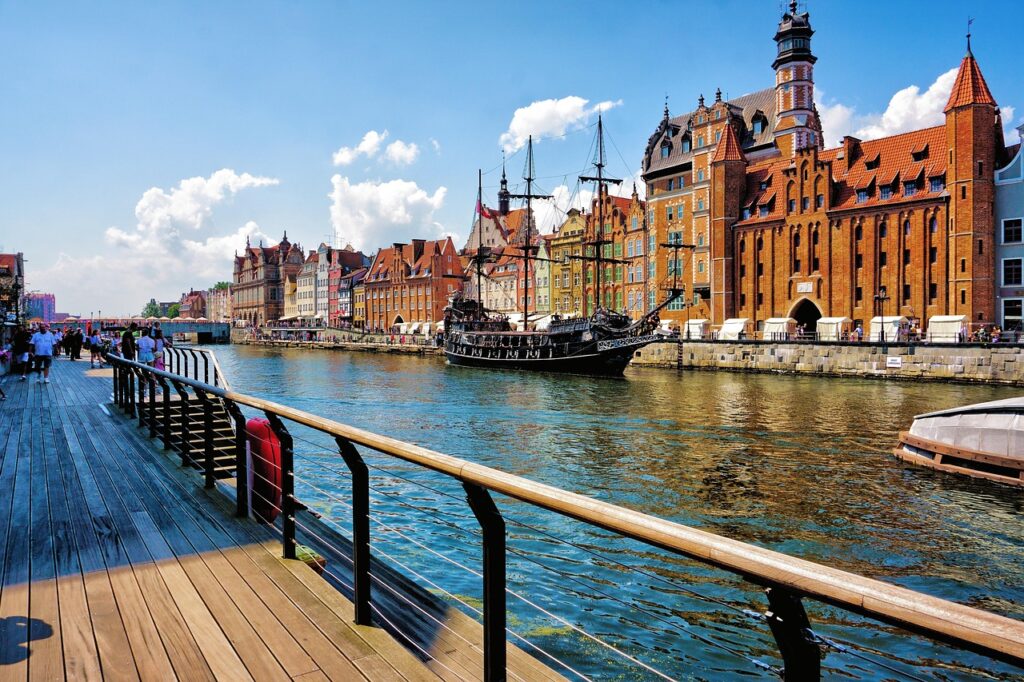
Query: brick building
x=778, y=226
x=257, y=289
x=566, y=270
x=622, y=277
x=411, y=283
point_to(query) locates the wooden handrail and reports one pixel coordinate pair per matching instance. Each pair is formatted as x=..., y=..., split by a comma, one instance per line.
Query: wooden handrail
x=967, y=627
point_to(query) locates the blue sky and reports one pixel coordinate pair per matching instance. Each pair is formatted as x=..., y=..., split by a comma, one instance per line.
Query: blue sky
x=111, y=108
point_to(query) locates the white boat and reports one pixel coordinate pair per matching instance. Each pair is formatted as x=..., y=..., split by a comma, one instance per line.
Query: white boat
x=985, y=440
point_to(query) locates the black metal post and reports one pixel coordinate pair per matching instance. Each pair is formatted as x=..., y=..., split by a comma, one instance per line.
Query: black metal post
x=790, y=626
x=115, y=385
x=287, y=485
x=241, y=460
x=141, y=407
x=184, y=442
x=360, y=528
x=130, y=390
x=152, y=404
x=208, y=453
x=206, y=368
x=165, y=417
x=493, y=527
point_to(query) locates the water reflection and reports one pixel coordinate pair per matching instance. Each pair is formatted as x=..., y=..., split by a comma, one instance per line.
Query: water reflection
x=797, y=464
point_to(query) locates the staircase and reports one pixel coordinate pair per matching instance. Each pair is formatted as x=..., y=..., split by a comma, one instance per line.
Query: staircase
x=195, y=454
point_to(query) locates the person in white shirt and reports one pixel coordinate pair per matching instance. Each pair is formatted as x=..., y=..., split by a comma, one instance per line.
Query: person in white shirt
x=43, y=342
x=147, y=348
x=95, y=348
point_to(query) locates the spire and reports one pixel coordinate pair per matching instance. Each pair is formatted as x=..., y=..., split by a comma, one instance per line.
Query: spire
x=729, y=148
x=970, y=86
x=792, y=8
x=718, y=94
x=666, y=106
x=247, y=244
x=503, y=194
x=969, y=22
x=700, y=100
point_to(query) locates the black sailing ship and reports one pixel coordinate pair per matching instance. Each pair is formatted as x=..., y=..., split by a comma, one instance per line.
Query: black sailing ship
x=602, y=343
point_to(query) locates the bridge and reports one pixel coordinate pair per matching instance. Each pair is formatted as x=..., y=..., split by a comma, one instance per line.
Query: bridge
x=130, y=551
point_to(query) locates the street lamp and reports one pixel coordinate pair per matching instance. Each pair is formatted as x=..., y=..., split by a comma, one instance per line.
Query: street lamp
x=881, y=297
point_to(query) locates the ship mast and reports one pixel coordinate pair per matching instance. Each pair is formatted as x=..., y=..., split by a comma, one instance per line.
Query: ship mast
x=480, y=241
x=528, y=247
x=598, y=241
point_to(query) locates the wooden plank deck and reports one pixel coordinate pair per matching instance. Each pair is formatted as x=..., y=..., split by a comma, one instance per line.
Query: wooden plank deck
x=115, y=564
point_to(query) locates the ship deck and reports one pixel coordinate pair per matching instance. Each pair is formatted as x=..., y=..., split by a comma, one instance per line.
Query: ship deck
x=117, y=564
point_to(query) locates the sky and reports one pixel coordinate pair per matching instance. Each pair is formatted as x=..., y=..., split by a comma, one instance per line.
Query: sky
x=141, y=144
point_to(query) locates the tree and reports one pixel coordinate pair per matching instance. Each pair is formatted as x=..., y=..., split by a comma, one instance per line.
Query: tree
x=220, y=286
x=172, y=312
x=151, y=309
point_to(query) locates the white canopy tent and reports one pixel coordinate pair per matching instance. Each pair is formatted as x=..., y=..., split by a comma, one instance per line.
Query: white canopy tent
x=893, y=325
x=779, y=329
x=733, y=328
x=834, y=328
x=403, y=328
x=414, y=327
x=947, y=328
x=696, y=329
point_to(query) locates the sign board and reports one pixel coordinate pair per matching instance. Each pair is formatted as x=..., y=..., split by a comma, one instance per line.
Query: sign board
x=805, y=287
x=894, y=362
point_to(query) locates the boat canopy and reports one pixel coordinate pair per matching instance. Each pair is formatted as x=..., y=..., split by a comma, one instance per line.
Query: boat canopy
x=995, y=427
x=833, y=328
x=696, y=329
x=892, y=325
x=779, y=328
x=733, y=328
x=414, y=327
x=947, y=328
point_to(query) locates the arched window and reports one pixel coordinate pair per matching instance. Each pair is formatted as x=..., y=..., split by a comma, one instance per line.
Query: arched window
x=933, y=225
x=700, y=239
x=906, y=227
x=743, y=246
x=858, y=233
x=700, y=266
x=882, y=231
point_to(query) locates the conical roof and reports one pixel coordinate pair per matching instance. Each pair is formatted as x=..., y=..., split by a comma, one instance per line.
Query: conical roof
x=729, y=148
x=970, y=86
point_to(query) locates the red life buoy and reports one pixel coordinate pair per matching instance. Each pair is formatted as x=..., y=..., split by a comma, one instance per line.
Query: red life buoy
x=265, y=449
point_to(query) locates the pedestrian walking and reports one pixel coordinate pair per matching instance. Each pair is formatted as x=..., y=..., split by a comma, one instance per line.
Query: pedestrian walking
x=128, y=342
x=96, y=348
x=22, y=350
x=161, y=344
x=43, y=343
x=146, y=347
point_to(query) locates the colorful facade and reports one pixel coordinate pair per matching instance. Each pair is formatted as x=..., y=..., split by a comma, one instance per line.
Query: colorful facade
x=777, y=226
x=1009, y=219
x=412, y=282
x=566, y=247
x=257, y=290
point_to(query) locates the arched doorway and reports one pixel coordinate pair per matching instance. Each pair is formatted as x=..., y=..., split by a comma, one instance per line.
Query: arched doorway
x=398, y=320
x=807, y=314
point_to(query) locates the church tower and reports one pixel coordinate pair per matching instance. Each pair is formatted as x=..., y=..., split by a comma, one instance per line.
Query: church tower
x=796, y=124
x=973, y=127
x=503, y=193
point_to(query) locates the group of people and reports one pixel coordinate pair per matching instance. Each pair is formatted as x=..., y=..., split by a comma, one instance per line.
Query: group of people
x=34, y=348
x=148, y=348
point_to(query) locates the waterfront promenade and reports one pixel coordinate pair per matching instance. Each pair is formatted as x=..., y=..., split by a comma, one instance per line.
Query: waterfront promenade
x=116, y=564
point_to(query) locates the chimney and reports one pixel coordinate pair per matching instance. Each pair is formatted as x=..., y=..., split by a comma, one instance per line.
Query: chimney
x=417, y=248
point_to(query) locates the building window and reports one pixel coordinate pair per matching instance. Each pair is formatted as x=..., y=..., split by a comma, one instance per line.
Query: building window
x=762, y=211
x=906, y=293
x=933, y=255
x=791, y=206
x=686, y=145
x=743, y=270
x=700, y=175
x=906, y=256
x=963, y=296
x=963, y=265
x=859, y=260
x=758, y=125
x=937, y=184
x=862, y=196
x=1012, y=232
x=858, y=233
x=718, y=135
x=700, y=239
x=858, y=294
x=933, y=291
x=743, y=300
x=885, y=192
x=906, y=227
x=819, y=201
x=760, y=269
x=668, y=212
x=700, y=204
x=910, y=188
x=963, y=191
x=883, y=259
x=665, y=149
x=746, y=212
x=882, y=231
x=1013, y=276
x=1013, y=314
x=700, y=266
x=700, y=141
x=981, y=247
x=805, y=203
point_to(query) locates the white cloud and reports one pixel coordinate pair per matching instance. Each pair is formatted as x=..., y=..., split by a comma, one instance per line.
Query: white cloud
x=371, y=214
x=436, y=145
x=368, y=147
x=550, y=118
x=908, y=109
x=402, y=154
x=172, y=247
x=1010, y=134
x=550, y=213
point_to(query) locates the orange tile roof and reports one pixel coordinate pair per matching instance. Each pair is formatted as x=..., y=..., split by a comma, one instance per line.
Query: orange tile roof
x=970, y=86
x=729, y=148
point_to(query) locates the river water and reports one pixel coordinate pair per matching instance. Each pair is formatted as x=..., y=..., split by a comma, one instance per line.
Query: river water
x=795, y=464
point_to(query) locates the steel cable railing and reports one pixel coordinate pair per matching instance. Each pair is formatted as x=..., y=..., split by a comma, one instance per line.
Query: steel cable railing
x=788, y=580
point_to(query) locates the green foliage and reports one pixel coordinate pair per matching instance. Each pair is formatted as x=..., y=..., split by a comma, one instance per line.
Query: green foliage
x=174, y=311
x=151, y=310
x=220, y=286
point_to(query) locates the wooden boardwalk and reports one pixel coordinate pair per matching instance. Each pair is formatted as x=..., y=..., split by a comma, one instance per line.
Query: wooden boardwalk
x=116, y=564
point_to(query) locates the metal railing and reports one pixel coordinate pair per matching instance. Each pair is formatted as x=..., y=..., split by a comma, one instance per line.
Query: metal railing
x=195, y=363
x=786, y=580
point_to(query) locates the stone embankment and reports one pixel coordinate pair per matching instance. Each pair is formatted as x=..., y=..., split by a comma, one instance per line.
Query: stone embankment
x=969, y=364
x=363, y=347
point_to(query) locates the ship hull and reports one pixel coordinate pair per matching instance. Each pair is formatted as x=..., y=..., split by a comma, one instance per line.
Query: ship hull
x=605, y=363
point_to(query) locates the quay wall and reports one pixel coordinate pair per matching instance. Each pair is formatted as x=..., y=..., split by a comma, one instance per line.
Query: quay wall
x=968, y=364
x=364, y=347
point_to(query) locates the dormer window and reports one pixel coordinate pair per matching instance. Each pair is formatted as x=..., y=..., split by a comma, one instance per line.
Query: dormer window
x=758, y=125
x=937, y=184
x=686, y=145
x=910, y=188
x=885, y=192
x=862, y=196
x=665, y=149
x=872, y=164
x=746, y=213
x=919, y=153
